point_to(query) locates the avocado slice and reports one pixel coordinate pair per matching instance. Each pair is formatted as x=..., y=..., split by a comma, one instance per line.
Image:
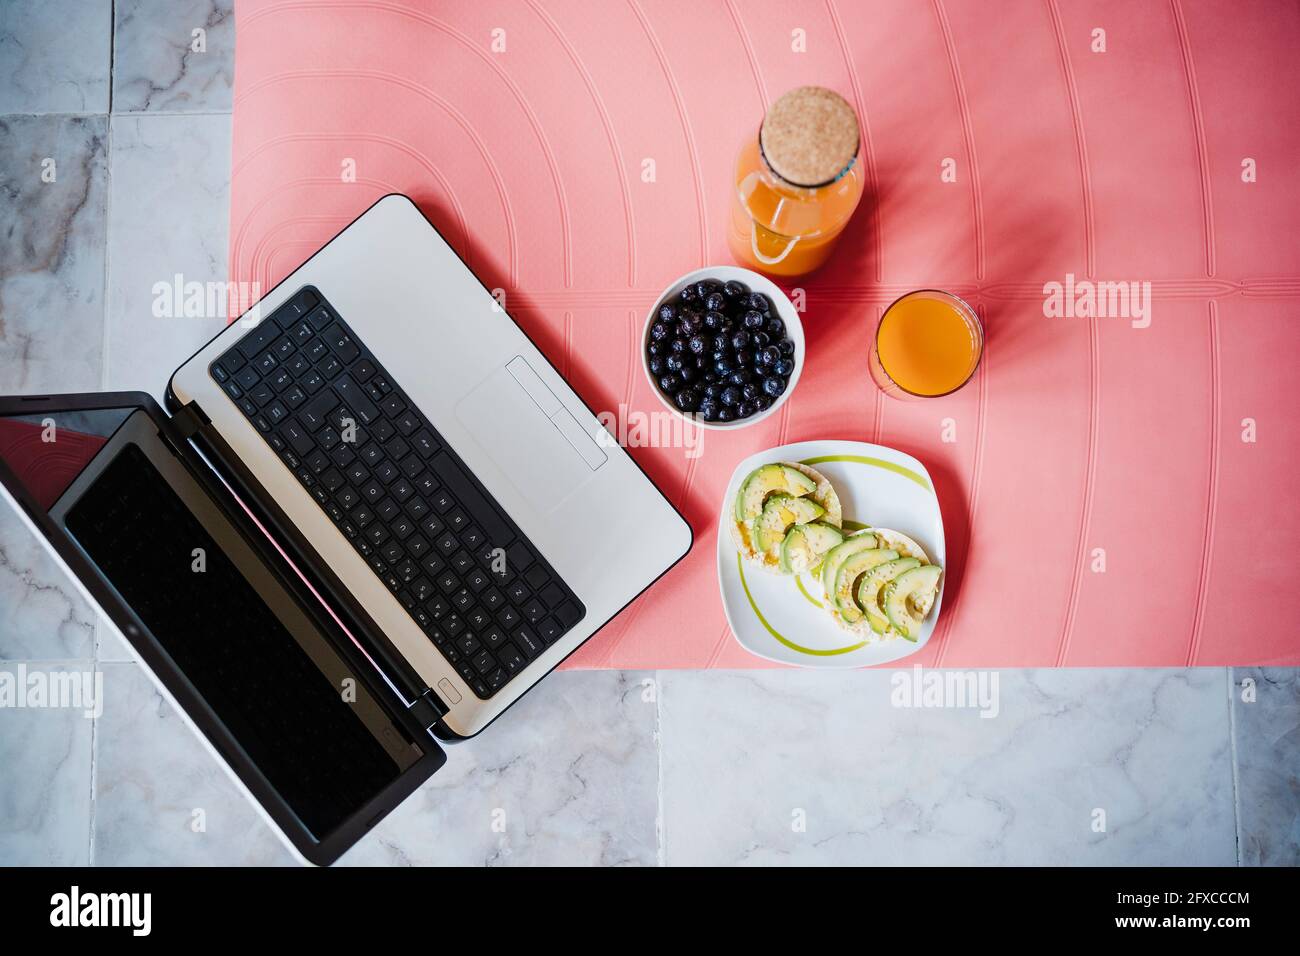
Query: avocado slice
x=779, y=514
x=806, y=543
x=846, y=579
x=906, y=594
x=860, y=541
x=873, y=584
x=767, y=480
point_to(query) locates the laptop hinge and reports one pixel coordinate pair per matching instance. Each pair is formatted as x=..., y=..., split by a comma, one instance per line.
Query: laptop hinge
x=189, y=420
x=427, y=709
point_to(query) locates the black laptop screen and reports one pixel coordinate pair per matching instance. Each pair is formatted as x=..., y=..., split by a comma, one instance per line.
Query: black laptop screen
x=217, y=612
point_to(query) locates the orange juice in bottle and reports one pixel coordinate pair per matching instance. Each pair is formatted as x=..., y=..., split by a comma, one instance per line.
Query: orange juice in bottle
x=928, y=343
x=797, y=184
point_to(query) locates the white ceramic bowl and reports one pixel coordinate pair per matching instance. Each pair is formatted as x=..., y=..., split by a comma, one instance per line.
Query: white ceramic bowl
x=756, y=283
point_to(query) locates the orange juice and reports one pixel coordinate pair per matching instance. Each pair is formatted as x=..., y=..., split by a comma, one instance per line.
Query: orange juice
x=928, y=343
x=797, y=184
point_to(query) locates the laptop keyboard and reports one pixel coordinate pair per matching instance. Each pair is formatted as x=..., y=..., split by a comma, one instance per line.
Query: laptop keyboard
x=465, y=573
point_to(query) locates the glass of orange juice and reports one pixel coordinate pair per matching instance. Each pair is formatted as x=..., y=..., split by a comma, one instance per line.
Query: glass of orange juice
x=928, y=343
x=797, y=183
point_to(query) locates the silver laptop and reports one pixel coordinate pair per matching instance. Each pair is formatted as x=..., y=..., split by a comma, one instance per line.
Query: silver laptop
x=425, y=465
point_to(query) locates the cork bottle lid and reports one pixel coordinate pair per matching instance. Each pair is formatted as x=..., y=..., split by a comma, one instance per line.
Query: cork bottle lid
x=809, y=136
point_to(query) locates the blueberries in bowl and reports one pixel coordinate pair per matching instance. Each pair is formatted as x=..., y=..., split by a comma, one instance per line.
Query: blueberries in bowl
x=718, y=351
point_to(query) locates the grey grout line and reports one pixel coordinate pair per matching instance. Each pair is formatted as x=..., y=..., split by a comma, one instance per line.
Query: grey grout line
x=661, y=842
x=119, y=113
x=1232, y=745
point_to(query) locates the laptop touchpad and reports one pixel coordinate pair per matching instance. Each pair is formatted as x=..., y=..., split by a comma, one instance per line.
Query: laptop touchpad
x=513, y=416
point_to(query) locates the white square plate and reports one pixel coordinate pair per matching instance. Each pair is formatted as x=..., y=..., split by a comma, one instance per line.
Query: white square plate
x=780, y=617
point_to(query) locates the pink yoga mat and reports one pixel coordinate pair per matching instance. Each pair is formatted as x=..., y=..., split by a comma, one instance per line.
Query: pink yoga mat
x=1109, y=141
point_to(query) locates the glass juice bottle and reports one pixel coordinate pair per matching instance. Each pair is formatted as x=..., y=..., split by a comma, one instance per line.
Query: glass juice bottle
x=797, y=183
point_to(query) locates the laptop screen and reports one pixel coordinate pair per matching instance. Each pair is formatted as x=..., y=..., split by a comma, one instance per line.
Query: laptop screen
x=303, y=719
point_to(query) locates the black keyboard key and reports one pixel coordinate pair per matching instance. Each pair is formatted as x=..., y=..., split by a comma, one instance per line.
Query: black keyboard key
x=313, y=414
x=393, y=406
x=320, y=318
x=407, y=422
x=219, y=373
x=297, y=438
x=549, y=629
x=425, y=443
x=341, y=343
x=468, y=644
x=537, y=577
x=382, y=430
x=510, y=658
x=528, y=642
x=494, y=637
x=552, y=595
x=247, y=378
x=232, y=361
x=258, y=340
x=484, y=662
x=534, y=610
x=265, y=363
x=519, y=557
x=363, y=370
x=568, y=614
x=497, y=678
x=485, y=515
x=356, y=399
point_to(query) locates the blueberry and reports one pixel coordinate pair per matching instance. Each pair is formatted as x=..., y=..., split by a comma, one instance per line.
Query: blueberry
x=693, y=321
x=667, y=312
x=730, y=396
x=659, y=331
x=760, y=340
x=739, y=340
x=749, y=392
x=784, y=368
x=712, y=390
x=786, y=347
x=715, y=301
x=656, y=364
x=763, y=402
x=711, y=376
x=704, y=287
x=724, y=366
x=688, y=294
x=673, y=363
x=725, y=414
x=678, y=345
x=687, y=400
x=698, y=344
x=689, y=372
x=654, y=348
x=774, y=385
x=769, y=356
x=713, y=321
x=709, y=408
x=742, y=376
x=735, y=290
x=775, y=327
x=669, y=382
x=758, y=302
x=745, y=409
x=753, y=319
x=745, y=357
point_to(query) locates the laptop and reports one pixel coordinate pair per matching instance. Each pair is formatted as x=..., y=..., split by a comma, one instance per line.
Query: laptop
x=371, y=518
